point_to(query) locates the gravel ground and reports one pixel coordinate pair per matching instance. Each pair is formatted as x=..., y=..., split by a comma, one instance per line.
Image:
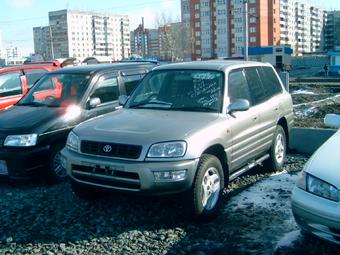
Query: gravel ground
x=44, y=219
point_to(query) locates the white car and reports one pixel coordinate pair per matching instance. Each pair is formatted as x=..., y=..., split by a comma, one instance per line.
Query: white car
x=316, y=197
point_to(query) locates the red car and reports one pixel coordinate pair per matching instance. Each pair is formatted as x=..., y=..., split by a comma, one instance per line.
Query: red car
x=16, y=81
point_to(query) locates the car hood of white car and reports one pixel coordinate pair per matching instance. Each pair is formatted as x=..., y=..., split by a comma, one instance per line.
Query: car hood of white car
x=325, y=163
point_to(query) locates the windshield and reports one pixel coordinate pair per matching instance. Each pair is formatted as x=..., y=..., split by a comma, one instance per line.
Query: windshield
x=188, y=90
x=57, y=90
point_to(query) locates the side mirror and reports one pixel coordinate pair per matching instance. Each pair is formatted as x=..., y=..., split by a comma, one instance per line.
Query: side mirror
x=123, y=99
x=94, y=102
x=240, y=105
x=332, y=120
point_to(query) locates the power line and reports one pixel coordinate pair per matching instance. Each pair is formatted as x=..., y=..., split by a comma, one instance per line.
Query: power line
x=120, y=7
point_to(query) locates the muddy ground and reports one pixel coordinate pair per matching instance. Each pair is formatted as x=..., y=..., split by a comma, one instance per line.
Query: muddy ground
x=313, y=102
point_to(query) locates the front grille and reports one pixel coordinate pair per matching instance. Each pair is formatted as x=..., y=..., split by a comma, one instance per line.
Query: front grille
x=111, y=149
x=105, y=175
x=111, y=183
x=105, y=171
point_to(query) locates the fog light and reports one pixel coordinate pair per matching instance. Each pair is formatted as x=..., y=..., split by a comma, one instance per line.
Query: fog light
x=170, y=175
x=63, y=161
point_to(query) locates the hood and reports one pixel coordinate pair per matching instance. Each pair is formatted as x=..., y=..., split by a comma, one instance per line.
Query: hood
x=325, y=163
x=144, y=126
x=26, y=119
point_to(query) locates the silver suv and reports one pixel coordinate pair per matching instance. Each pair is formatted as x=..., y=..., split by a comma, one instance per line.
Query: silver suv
x=188, y=128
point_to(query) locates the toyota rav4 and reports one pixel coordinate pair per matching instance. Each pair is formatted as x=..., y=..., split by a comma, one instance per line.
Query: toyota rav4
x=188, y=128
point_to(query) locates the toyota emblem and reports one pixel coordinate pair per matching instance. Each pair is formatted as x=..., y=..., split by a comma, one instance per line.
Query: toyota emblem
x=107, y=148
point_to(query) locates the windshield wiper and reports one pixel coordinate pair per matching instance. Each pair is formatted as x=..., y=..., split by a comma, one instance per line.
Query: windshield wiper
x=152, y=103
x=194, y=109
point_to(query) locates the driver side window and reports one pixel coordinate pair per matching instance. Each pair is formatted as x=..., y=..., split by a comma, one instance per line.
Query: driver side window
x=238, y=86
x=106, y=90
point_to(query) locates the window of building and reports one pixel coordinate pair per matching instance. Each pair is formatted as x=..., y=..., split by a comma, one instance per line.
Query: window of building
x=252, y=10
x=252, y=29
x=252, y=20
x=252, y=39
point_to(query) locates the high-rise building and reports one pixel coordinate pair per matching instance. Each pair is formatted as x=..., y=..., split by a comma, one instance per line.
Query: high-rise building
x=139, y=39
x=153, y=43
x=83, y=34
x=332, y=31
x=217, y=26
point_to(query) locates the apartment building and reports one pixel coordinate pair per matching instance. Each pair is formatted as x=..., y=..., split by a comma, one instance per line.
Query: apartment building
x=139, y=39
x=82, y=34
x=332, y=31
x=154, y=43
x=218, y=26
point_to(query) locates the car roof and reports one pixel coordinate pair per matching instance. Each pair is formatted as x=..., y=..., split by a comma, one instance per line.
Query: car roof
x=219, y=65
x=39, y=65
x=95, y=68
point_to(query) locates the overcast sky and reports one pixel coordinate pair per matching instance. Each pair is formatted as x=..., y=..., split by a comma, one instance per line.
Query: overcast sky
x=18, y=17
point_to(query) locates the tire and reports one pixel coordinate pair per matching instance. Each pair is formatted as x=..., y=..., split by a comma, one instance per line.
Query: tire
x=84, y=192
x=56, y=173
x=277, y=152
x=199, y=201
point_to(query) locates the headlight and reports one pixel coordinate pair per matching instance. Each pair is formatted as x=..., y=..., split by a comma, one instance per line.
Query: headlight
x=318, y=187
x=21, y=140
x=72, y=142
x=167, y=150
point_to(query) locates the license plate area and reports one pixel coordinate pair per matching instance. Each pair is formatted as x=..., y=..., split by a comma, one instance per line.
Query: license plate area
x=3, y=168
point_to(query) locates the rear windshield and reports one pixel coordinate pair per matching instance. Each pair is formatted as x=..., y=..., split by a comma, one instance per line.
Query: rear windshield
x=57, y=90
x=180, y=90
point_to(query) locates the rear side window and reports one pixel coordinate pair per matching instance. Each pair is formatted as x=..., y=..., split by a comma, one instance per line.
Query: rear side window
x=238, y=86
x=34, y=75
x=106, y=90
x=270, y=81
x=257, y=92
x=131, y=82
x=10, y=84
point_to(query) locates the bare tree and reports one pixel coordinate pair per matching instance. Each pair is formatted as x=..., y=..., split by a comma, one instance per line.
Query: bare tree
x=174, y=38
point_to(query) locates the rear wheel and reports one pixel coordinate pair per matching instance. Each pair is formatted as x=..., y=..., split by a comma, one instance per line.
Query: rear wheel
x=203, y=201
x=277, y=151
x=56, y=171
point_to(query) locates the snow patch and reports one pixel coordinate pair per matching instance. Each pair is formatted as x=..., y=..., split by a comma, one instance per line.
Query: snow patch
x=303, y=92
x=266, y=193
x=288, y=239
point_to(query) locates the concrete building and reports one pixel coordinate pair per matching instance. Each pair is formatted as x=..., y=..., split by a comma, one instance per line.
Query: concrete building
x=301, y=26
x=83, y=34
x=154, y=46
x=332, y=31
x=217, y=26
x=263, y=23
x=13, y=56
x=139, y=39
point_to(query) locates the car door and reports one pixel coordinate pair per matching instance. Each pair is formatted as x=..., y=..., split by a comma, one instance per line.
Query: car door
x=11, y=88
x=243, y=124
x=106, y=90
x=270, y=115
x=265, y=108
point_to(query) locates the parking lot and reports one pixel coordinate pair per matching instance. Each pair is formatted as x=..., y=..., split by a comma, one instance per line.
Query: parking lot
x=255, y=219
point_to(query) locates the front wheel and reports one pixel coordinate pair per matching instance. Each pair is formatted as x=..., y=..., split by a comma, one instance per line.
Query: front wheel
x=56, y=171
x=203, y=200
x=277, y=152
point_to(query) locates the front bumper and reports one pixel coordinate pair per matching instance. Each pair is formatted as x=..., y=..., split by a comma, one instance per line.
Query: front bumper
x=24, y=162
x=124, y=175
x=316, y=215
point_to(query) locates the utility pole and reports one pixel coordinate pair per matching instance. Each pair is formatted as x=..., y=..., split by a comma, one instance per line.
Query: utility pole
x=51, y=42
x=246, y=31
